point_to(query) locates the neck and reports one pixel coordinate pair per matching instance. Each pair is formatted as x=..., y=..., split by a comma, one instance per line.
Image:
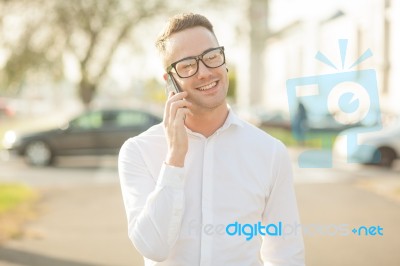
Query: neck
x=206, y=122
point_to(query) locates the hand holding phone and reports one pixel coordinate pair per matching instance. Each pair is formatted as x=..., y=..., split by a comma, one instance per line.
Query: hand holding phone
x=176, y=109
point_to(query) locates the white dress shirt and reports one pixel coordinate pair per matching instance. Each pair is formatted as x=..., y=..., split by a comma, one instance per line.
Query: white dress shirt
x=178, y=216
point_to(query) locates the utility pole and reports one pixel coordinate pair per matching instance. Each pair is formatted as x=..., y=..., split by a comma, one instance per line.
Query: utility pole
x=258, y=32
x=386, y=47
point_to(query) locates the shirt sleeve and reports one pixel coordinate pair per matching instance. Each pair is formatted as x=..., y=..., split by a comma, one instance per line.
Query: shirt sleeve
x=154, y=209
x=286, y=249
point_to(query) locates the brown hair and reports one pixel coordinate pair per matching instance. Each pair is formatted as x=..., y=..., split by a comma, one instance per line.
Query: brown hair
x=179, y=23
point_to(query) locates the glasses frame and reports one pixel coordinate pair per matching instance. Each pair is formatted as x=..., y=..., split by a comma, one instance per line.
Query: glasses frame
x=197, y=58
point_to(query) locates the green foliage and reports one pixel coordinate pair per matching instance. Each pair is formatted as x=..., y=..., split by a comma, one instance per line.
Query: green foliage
x=13, y=195
x=313, y=139
x=154, y=91
x=232, y=84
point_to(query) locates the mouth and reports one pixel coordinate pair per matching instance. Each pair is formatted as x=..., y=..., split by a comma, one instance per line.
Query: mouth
x=208, y=86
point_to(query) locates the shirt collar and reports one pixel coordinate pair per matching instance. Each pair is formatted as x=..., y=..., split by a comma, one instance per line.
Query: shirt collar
x=232, y=119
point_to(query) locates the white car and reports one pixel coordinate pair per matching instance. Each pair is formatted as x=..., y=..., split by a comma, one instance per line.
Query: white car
x=380, y=147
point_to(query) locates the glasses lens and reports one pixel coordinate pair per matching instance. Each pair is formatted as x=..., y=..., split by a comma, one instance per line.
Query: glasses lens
x=214, y=58
x=186, y=67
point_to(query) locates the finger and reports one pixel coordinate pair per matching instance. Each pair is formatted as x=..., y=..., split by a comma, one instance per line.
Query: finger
x=187, y=112
x=172, y=97
x=170, y=94
x=177, y=96
x=175, y=106
x=181, y=114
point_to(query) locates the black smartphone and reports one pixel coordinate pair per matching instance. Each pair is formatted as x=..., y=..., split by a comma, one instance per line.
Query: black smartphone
x=172, y=85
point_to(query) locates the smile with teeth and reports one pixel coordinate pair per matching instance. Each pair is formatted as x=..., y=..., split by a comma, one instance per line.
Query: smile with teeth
x=207, y=87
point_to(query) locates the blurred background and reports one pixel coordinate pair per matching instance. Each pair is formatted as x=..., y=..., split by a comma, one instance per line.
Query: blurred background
x=78, y=78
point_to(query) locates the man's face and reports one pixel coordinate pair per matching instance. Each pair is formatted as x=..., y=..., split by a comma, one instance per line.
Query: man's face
x=207, y=89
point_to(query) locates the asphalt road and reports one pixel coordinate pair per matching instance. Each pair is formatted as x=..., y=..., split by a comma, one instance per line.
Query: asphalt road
x=82, y=221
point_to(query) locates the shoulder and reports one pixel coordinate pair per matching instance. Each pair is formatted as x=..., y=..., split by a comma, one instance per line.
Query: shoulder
x=260, y=137
x=156, y=131
x=261, y=147
x=152, y=137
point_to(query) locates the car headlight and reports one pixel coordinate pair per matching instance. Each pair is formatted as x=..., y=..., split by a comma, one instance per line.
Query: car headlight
x=10, y=138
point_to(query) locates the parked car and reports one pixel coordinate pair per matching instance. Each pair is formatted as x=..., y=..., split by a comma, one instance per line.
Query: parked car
x=328, y=123
x=98, y=132
x=263, y=118
x=381, y=147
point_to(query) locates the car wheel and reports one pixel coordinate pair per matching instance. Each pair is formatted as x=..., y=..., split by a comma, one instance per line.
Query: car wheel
x=384, y=157
x=38, y=153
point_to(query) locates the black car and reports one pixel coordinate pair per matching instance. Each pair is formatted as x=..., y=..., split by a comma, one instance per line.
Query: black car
x=99, y=132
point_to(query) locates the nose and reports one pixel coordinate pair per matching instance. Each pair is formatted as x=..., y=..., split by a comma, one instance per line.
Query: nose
x=203, y=70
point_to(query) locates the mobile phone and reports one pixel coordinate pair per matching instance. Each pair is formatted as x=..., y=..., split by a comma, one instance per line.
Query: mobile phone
x=172, y=85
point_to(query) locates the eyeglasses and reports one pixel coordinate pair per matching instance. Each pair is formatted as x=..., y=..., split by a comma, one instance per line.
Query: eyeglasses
x=187, y=67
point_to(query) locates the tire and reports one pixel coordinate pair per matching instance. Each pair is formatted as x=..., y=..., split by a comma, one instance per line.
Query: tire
x=38, y=153
x=384, y=157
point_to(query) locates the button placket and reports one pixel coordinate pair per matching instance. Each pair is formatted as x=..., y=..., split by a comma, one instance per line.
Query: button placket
x=207, y=201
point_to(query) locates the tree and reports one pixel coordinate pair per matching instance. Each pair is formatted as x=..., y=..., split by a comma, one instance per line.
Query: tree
x=23, y=53
x=93, y=31
x=42, y=33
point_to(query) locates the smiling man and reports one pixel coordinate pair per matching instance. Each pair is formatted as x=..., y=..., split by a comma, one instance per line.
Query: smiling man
x=203, y=167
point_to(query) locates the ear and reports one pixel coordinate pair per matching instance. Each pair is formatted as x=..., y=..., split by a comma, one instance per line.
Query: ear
x=165, y=76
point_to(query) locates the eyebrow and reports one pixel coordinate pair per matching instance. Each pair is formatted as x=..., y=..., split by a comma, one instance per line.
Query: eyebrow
x=195, y=56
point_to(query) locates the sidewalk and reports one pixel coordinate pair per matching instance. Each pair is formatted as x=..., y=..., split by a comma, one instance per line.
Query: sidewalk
x=382, y=181
x=84, y=224
x=349, y=195
x=333, y=206
x=79, y=226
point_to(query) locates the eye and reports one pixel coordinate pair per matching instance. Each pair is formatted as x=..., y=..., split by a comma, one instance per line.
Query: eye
x=188, y=65
x=212, y=56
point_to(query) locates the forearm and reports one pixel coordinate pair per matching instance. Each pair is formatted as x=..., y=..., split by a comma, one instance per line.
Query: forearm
x=156, y=228
x=154, y=209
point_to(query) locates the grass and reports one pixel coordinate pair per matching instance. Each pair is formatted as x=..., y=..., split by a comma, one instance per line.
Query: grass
x=16, y=207
x=13, y=195
x=313, y=139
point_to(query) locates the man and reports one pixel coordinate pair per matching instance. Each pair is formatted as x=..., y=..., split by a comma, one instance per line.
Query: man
x=189, y=181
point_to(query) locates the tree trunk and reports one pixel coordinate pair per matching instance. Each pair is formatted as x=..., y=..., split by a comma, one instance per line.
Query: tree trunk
x=87, y=92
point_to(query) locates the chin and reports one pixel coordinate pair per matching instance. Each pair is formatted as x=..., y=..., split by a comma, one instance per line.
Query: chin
x=214, y=104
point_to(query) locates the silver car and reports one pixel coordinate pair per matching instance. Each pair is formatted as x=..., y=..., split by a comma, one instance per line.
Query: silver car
x=381, y=147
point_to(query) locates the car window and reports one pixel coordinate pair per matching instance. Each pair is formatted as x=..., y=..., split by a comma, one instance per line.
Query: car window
x=88, y=121
x=129, y=118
